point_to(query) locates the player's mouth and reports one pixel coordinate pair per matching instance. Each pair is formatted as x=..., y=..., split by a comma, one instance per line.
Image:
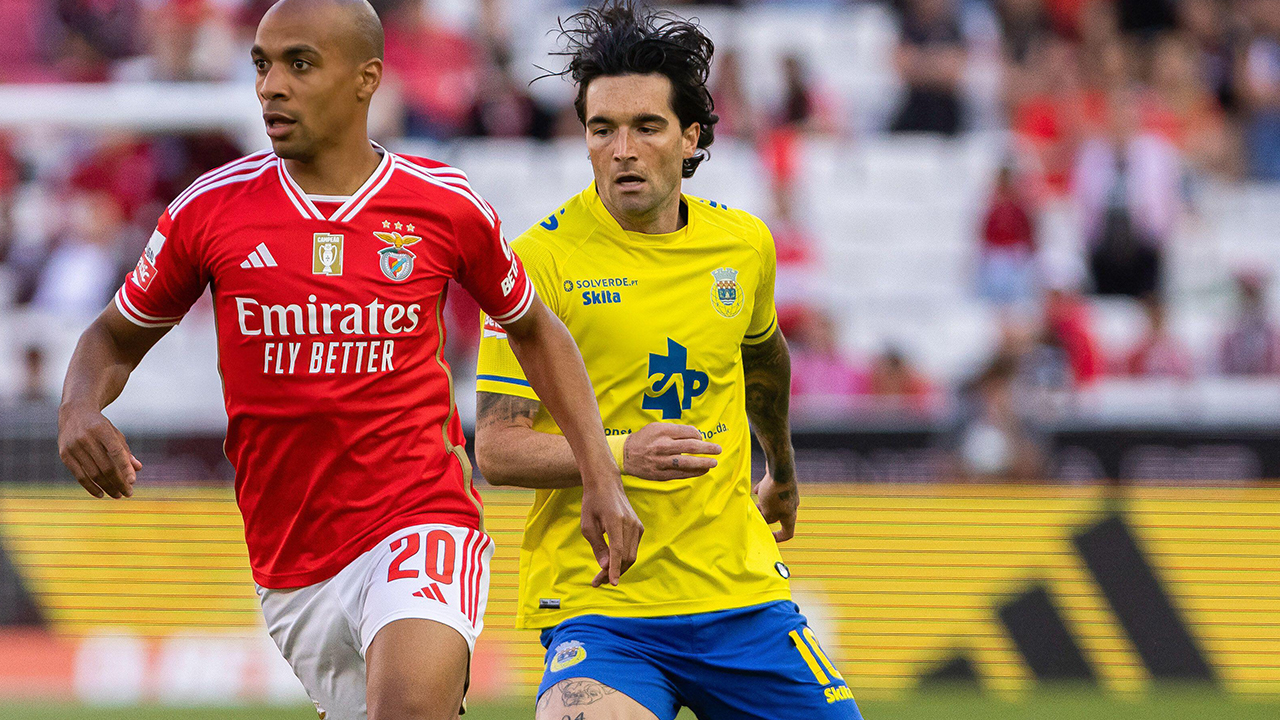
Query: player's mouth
x=278, y=124
x=629, y=181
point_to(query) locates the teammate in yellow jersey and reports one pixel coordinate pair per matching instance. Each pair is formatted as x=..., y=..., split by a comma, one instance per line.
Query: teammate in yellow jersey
x=670, y=299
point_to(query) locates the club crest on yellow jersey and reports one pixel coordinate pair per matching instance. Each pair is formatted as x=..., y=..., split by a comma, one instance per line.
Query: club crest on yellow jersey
x=567, y=655
x=726, y=293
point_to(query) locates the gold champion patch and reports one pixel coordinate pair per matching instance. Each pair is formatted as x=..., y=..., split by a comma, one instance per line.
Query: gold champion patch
x=326, y=254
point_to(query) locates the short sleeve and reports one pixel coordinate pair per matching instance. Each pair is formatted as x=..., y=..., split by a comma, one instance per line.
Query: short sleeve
x=489, y=269
x=764, y=315
x=168, y=278
x=497, y=370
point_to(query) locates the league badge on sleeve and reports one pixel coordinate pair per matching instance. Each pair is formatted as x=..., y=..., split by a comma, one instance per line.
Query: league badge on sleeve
x=146, y=268
x=396, y=262
x=726, y=293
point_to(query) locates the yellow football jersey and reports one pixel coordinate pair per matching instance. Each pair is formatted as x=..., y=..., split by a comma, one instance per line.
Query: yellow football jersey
x=660, y=321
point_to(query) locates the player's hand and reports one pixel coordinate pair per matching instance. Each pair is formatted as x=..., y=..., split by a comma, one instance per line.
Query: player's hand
x=779, y=501
x=611, y=527
x=664, y=451
x=96, y=453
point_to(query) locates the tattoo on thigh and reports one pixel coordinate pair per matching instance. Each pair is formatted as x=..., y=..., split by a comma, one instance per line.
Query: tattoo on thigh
x=581, y=716
x=583, y=692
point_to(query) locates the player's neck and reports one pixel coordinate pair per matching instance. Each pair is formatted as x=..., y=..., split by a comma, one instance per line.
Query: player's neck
x=339, y=170
x=668, y=217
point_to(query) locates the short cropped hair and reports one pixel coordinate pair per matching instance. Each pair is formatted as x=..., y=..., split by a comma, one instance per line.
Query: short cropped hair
x=622, y=37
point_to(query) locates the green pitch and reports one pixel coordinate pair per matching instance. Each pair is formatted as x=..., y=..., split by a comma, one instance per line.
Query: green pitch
x=946, y=706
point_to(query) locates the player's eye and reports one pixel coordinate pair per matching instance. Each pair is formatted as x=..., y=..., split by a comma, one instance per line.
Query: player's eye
x=301, y=65
x=600, y=132
x=260, y=64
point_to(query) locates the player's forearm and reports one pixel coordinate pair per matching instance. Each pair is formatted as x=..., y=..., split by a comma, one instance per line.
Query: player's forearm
x=555, y=371
x=98, y=371
x=767, y=371
x=510, y=452
x=529, y=459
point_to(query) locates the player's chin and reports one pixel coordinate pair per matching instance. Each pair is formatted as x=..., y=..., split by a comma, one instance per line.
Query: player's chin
x=290, y=147
x=634, y=202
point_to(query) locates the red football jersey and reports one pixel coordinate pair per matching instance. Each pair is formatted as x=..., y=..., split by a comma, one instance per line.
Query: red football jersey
x=342, y=426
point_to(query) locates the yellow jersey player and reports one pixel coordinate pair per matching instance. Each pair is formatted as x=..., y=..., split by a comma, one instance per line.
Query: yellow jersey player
x=670, y=299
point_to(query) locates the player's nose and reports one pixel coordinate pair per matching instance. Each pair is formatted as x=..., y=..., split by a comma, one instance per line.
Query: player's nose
x=622, y=146
x=272, y=84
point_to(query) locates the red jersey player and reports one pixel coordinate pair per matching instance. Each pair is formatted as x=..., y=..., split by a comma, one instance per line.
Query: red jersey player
x=328, y=258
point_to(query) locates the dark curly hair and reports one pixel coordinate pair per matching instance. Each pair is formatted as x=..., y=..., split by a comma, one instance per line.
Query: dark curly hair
x=623, y=37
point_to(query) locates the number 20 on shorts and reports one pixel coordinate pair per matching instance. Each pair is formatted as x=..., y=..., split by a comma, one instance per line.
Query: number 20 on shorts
x=439, y=559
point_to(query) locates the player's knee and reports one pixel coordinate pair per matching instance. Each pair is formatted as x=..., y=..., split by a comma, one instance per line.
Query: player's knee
x=405, y=703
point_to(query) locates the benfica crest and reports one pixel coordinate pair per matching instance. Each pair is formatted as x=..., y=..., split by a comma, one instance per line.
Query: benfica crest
x=396, y=262
x=726, y=293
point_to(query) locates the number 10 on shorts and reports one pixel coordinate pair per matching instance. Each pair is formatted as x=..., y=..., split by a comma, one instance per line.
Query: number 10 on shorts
x=815, y=658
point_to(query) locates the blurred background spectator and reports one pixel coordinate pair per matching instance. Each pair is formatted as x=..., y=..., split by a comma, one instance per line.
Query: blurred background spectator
x=994, y=440
x=33, y=378
x=1159, y=354
x=440, y=86
x=1261, y=88
x=1007, y=263
x=895, y=379
x=1252, y=345
x=819, y=370
x=930, y=59
x=1127, y=183
x=83, y=268
x=503, y=107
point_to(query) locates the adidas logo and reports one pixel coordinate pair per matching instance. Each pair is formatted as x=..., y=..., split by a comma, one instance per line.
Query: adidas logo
x=431, y=592
x=260, y=257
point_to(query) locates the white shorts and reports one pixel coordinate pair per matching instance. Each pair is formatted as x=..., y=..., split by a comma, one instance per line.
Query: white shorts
x=431, y=572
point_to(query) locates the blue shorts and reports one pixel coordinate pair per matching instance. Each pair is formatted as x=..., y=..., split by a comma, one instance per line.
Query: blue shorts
x=758, y=662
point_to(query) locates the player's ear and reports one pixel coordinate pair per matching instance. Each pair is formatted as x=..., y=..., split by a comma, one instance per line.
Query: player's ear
x=369, y=78
x=690, y=137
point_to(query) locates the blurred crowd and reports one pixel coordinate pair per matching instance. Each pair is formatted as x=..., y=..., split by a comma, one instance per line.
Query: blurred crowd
x=1114, y=107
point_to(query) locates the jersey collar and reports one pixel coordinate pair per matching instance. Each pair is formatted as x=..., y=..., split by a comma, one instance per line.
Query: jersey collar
x=352, y=204
x=609, y=223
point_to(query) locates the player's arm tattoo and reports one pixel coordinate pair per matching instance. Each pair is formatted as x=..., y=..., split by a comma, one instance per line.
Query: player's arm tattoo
x=496, y=411
x=767, y=370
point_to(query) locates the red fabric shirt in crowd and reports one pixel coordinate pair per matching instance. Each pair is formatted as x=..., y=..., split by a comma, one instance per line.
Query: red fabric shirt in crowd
x=440, y=83
x=1008, y=224
x=1159, y=357
x=1069, y=320
x=342, y=427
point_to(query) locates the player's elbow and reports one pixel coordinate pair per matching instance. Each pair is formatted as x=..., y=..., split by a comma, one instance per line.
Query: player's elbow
x=490, y=461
